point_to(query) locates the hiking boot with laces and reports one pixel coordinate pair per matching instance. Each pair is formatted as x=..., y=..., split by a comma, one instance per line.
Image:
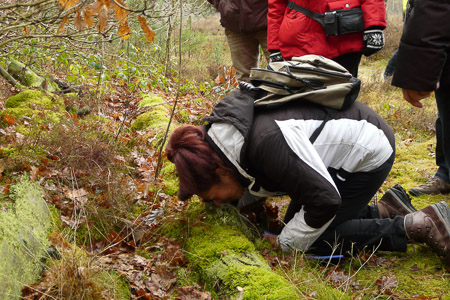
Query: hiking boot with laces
x=395, y=202
x=433, y=186
x=431, y=226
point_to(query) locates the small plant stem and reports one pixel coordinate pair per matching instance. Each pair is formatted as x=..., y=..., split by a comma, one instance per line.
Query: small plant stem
x=158, y=166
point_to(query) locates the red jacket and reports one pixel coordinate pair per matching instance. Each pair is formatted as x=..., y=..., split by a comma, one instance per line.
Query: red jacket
x=296, y=34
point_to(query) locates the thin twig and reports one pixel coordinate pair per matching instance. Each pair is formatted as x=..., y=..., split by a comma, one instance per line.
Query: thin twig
x=158, y=166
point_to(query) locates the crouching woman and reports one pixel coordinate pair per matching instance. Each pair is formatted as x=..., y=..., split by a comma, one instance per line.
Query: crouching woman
x=330, y=174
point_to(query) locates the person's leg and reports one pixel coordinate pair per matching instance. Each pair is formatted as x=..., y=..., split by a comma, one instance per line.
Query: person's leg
x=244, y=53
x=440, y=183
x=357, y=191
x=261, y=36
x=350, y=61
x=358, y=225
x=443, y=134
x=389, y=70
x=358, y=234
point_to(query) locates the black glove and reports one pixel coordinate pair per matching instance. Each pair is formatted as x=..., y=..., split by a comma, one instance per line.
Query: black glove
x=275, y=55
x=373, y=41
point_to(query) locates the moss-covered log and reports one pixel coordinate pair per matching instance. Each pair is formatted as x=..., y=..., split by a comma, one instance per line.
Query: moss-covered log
x=225, y=259
x=29, y=78
x=24, y=227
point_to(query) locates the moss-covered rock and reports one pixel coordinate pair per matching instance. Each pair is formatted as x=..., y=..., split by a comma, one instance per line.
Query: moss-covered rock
x=23, y=238
x=40, y=107
x=34, y=98
x=156, y=117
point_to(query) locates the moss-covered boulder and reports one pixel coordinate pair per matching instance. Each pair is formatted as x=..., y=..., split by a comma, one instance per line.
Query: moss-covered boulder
x=24, y=227
x=29, y=78
x=157, y=115
x=32, y=104
x=225, y=259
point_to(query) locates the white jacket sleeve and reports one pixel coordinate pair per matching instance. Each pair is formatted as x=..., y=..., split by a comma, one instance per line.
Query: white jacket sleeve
x=299, y=235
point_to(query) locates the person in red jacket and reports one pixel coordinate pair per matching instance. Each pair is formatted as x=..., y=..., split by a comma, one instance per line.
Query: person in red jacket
x=292, y=33
x=245, y=24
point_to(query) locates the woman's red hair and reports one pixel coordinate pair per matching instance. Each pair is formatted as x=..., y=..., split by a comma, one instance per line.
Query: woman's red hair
x=195, y=161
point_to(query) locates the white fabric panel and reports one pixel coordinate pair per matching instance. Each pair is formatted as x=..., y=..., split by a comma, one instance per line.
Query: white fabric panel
x=230, y=142
x=355, y=146
x=299, y=235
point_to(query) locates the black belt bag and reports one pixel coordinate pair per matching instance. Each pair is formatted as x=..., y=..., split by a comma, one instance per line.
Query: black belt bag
x=335, y=22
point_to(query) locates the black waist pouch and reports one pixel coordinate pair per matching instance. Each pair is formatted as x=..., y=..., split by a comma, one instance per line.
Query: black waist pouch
x=335, y=22
x=350, y=20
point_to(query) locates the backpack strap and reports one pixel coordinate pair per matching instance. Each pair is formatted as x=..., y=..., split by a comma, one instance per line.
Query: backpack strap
x=319, y=129
x=313, y=15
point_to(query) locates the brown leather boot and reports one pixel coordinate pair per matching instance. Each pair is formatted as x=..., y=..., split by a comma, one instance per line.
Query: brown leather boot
x=431, y=225
x=395, y=202
x=433, y=186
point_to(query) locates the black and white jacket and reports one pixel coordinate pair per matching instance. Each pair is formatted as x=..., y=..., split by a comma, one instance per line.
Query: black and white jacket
x=271, y=151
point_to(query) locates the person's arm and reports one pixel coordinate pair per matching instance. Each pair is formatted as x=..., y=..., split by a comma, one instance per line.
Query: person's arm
x=423, y=49
x=304, y=177
x=374, y=14
x=274, y=18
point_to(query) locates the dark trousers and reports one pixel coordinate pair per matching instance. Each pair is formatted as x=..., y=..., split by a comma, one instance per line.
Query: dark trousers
x=350, y=61
x=357, y=224
x=443, y=133
x=390, y=68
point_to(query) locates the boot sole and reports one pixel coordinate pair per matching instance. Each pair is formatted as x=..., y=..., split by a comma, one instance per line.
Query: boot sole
x=408, y=207
x=443, y=212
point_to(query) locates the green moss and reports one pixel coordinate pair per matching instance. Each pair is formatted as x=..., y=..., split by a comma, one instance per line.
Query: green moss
x=150, y=100
x=153, y=119
x=23, y=238
x=42, y=109
x=208, y=242
x=259, y=283
x=156, y=117
x=32, y=98
x=71, y=96
x=218, y=270
x=168, y=173
x=221, y=254
x=114, y=283
x=29, y=78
